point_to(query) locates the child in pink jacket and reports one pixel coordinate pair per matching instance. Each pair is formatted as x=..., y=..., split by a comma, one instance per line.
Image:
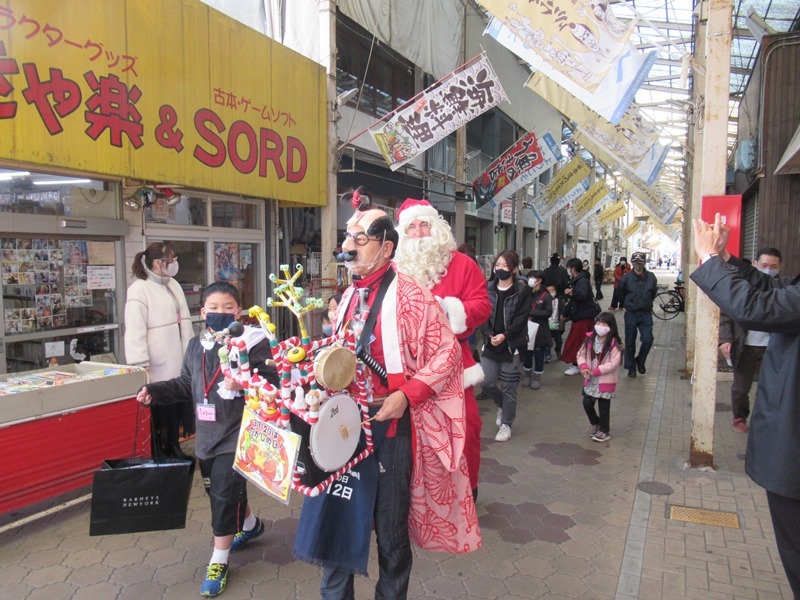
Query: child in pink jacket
x=599, y=358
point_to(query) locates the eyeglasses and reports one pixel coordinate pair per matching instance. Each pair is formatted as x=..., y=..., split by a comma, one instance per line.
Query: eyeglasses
x=421, y=226
x=360, y=239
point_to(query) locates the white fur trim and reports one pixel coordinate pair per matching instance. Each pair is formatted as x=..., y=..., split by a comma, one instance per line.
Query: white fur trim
x=414, y=212
x=456, y=314
x=473, y=375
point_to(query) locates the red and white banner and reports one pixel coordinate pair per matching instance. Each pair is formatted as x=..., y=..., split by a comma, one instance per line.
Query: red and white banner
x=432, y=115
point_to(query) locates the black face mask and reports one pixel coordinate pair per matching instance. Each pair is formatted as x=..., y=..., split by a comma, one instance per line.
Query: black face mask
x=502, y=274
x=219, y=321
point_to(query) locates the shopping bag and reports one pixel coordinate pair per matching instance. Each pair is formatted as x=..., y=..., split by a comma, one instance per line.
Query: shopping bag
x=533, y=329
x=140, y=494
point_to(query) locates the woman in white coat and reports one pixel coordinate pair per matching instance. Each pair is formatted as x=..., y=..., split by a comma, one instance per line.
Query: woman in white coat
x=158, y=328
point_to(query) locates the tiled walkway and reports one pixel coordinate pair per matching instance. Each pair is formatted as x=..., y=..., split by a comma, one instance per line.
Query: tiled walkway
x=561, y=515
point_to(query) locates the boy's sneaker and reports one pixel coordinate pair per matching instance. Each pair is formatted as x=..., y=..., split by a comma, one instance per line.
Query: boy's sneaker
x=573, y=370
x=499, y=420
x=504, y=434
x=740, y=425
x=601, y=436
x=216, y=578
x=241, y=539
x=593, y=430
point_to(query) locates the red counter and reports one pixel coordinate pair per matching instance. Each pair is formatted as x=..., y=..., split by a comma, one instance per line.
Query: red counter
x=52, y=455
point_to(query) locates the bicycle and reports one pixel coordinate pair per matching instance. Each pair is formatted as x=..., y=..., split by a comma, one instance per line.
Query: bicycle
x=668, y=303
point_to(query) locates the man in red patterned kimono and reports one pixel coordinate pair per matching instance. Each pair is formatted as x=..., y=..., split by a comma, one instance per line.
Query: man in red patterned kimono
x=427, y=252
x=415, y=487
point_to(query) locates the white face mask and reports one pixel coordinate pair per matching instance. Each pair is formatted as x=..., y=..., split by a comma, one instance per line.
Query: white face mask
x=172, y=269
x=602, y=330
x=770, y=272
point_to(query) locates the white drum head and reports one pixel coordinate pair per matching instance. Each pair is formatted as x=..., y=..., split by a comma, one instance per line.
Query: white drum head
x=330, y=446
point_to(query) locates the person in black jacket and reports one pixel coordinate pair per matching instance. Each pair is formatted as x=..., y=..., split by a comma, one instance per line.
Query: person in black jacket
x=506, y=336
x=556, y=275
x=599, y=271
x=761, y=302
x=638, y=289
x=541, y=310
x=581, y=309
x=201, y=380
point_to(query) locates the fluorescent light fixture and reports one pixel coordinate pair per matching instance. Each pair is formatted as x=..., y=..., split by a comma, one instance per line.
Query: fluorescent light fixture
x=472, y=154
x=757, y=26
x=344, y=97
x=62, y=181
x=10, y=176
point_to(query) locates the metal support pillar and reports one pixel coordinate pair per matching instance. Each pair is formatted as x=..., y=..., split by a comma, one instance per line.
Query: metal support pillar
x=329, y=216
x=714, y=156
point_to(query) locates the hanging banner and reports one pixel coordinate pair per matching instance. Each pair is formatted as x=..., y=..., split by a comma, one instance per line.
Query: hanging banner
x=161, y=91
x=566, y=179
x=650, y=199
x=610, y=92
x=569, y=198
x=612, y=212
x=590, y=201
x=525, y=160
x=631, y=230
x=432, y=115
x=633, y=144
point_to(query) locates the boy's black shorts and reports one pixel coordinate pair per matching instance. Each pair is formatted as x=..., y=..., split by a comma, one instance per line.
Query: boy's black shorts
x=227, y=490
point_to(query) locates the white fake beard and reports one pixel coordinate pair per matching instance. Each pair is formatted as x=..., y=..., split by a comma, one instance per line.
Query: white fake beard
x=423, y=259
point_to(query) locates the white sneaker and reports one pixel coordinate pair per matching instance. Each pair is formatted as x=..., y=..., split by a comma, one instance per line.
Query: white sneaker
x=499, y=420
x=573, y=370
x=504, y=434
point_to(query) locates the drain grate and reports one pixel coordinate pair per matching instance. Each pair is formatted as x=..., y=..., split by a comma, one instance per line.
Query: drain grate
x=702, y=516
x=655, y=488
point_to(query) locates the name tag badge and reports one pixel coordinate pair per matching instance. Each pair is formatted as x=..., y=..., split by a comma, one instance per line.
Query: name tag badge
x=206, y=412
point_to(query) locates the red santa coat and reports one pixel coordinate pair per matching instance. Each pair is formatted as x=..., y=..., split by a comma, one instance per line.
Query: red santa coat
x=462, y=294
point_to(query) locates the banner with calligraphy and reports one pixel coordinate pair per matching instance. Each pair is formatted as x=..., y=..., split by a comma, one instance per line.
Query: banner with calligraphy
x=447, y=105
x=612, y=212
x=572, y=64
x=164, y=92
x=594, y=198
x=650, y=199
x=566, y=180
x=633, y=144
x=518, y=166
x=631, y=230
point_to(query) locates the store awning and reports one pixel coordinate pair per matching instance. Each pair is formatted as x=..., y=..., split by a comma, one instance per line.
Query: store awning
x=790, y=161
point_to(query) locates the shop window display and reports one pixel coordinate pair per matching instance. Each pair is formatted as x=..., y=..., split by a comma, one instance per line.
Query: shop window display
x=51, y=284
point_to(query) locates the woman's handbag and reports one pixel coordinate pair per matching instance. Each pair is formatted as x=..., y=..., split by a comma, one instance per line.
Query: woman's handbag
x=140, y=494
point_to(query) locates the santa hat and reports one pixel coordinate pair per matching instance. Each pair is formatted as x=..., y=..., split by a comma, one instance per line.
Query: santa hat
x=414, y=209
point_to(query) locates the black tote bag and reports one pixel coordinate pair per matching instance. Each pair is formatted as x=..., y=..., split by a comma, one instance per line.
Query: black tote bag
x=130, y=495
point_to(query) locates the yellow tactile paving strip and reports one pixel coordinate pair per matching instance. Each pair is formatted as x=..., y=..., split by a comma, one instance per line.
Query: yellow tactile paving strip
x=704, y=517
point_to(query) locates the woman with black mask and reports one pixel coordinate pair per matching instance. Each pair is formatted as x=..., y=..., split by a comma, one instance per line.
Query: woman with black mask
x=505, y=335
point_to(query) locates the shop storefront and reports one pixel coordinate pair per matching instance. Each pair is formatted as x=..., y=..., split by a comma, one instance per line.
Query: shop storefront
x=150, y=120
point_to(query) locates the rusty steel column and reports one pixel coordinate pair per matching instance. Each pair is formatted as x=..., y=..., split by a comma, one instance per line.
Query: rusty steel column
x=714, y=157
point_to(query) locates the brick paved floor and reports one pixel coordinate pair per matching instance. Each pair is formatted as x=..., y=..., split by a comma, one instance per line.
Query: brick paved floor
x=561, y=517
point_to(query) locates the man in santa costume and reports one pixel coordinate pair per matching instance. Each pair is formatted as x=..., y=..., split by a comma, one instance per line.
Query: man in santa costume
x=427, y=252
x=415, y=487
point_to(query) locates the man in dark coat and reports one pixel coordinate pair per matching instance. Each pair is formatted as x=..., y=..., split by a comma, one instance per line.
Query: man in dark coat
x=638, y=289
x=556, y=275
x=760, y=302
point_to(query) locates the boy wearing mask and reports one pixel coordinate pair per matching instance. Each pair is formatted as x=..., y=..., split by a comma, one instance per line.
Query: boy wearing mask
x=218, y=425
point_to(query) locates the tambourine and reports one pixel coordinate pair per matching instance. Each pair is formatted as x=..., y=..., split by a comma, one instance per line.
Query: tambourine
x=331, y=442
x=334, y=367
x=334, y=438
